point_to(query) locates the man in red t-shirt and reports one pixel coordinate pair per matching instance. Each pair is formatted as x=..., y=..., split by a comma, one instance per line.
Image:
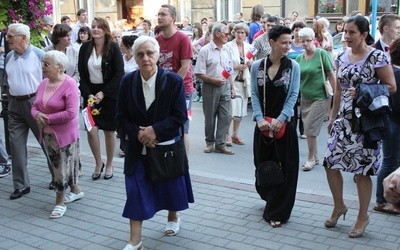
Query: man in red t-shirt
x=175, y=55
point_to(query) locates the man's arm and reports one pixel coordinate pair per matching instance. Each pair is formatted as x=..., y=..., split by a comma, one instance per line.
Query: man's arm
x=184, y=69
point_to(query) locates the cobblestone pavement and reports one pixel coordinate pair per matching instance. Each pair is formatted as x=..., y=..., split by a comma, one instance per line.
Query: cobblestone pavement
x=226, y=215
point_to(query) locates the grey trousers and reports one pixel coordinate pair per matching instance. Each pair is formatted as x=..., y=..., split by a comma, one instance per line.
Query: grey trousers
x=20, y=121
x=216, y=113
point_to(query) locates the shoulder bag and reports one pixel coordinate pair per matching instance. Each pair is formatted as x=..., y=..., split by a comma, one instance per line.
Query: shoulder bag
x=269, y=133
x=327, y=84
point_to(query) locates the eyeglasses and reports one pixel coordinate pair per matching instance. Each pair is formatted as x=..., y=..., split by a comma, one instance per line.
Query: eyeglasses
x=226, y=33
x=9, y=36
x=46, y=64
x=149, y=53
x=306, y=41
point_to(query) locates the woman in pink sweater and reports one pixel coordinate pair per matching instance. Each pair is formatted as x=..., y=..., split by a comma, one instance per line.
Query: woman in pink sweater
x=56, y=112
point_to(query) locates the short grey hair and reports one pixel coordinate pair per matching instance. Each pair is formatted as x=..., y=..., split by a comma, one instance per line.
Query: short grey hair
x=326, y=21
x=218, y=28
x=21, y=29
x=58, y=58
x=241, y=26
x=307, y=32
x=143, y=39
x=48, y=20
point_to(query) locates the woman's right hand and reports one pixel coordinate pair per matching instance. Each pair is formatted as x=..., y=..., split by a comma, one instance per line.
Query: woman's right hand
x=263, y=125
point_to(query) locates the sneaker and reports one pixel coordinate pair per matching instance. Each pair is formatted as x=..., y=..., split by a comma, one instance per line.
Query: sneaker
x=224, y=150
x=208, y=149
x=196, y=99
x=4, y=170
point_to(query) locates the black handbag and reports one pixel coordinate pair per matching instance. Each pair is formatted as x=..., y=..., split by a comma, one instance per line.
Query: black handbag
x=270, y=173
x=165, y=162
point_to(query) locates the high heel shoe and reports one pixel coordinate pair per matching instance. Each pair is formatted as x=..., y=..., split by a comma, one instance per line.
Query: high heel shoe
x=109, y=176
x=132, y=247
x=357, y=233
x=331, y=223
x=97, y=176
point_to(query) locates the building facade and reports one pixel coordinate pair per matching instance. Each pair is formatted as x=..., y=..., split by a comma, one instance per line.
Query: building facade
x=130, y=10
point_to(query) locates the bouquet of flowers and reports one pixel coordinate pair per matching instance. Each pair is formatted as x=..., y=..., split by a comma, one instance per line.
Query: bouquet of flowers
x=91, y=107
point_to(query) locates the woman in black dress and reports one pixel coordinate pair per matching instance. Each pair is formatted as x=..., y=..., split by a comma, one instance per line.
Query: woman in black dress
x=101, y=68
x=281, y=78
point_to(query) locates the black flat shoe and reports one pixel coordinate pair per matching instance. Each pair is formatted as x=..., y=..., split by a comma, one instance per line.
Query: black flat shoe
x=52, y=185
x=97, y=176
x=109, y=176
x=18, y=193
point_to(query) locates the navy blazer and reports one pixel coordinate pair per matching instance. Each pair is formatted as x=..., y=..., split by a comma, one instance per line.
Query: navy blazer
x=166, y=114
x=112, y=69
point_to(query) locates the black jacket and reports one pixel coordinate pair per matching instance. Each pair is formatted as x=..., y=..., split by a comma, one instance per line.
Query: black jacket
x=112, y=69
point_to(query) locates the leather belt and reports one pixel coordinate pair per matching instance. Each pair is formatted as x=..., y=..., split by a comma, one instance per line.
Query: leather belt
x=24, y=97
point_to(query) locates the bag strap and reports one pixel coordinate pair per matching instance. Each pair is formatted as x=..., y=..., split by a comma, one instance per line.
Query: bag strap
x=277, y=153
x=322, y=65
x=265, y=88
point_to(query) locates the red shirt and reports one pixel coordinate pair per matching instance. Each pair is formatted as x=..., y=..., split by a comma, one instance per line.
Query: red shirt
x=172, y=51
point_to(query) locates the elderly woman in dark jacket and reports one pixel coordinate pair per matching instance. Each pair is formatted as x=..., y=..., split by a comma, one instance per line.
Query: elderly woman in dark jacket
x=151, y=109
x=101, y=68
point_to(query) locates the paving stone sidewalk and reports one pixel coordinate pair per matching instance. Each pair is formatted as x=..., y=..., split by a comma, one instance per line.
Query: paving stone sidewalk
x=225, y=215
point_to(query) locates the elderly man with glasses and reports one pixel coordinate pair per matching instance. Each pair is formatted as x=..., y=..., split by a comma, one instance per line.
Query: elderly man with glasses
x=212, y=60
x=23, y=68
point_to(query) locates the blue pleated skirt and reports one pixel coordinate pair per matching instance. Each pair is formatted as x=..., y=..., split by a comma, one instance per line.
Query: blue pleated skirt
x=145, y=198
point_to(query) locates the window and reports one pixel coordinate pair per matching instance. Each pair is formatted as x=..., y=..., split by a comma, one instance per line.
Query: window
x=384, y=6
x=330, y=7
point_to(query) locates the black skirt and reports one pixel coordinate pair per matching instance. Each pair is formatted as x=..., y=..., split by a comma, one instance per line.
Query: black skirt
x=280, y=198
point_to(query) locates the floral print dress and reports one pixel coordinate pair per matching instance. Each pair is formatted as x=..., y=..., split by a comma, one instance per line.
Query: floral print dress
x=345, y=150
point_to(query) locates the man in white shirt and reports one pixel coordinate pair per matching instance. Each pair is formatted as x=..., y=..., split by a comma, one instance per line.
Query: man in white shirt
x=389, y=28
x=212, y=60
x=82, y=22
x=23, y=68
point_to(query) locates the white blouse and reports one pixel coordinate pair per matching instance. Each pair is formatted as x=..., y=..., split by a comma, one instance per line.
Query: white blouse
x=94, y=67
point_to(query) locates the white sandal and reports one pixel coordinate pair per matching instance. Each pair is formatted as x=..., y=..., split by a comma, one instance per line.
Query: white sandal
x=58, y=212
x=308, y=165
x=173, y=227
x=132, y=247
x=70, y=197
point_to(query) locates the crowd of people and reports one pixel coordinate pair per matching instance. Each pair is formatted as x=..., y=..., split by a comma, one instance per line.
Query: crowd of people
x=143, y=87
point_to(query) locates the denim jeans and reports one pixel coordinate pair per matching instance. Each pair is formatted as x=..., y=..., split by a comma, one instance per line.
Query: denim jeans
x=391, y=159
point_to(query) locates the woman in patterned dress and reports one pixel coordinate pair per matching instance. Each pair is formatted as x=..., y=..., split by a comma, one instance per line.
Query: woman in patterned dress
x=345, y=149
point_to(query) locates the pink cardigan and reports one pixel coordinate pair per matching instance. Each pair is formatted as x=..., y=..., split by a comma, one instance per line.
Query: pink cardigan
x=62, y=110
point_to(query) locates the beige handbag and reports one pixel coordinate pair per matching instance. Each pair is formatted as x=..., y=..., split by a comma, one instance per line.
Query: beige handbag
x=327, y=84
